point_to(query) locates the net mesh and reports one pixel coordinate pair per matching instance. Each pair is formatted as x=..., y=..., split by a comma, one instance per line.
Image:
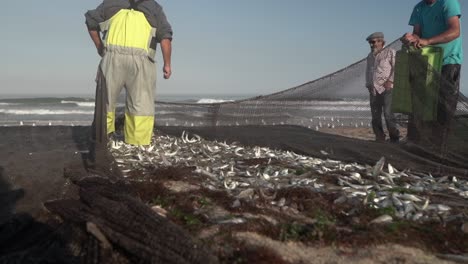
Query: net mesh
x=341, y=100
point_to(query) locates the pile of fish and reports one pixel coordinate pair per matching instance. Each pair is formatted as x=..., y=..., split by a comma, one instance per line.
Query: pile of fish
x=241, y=169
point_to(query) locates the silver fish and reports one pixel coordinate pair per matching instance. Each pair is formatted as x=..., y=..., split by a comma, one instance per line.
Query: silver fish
x=377, y=169
x=383, y=219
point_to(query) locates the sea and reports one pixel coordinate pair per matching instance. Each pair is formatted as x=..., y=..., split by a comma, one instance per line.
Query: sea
x=78, y=110
x=71, y=110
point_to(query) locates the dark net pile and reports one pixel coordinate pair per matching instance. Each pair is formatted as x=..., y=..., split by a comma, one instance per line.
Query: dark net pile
x=338, y=100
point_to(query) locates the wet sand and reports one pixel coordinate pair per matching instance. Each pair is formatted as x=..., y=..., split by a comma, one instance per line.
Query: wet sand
x=32, y=163
x=358, y=133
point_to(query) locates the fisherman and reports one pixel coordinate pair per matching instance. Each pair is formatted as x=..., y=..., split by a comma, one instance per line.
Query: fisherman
x=437, y=22
x=130, y=31
x=379, y=82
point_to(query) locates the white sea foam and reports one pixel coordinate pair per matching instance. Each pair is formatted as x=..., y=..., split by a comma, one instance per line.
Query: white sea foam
x=83, y=104
x=351, y=108
x=354, y=102
x=44, y=112
x=212, y=101
x=294, y=103
x=6, y=104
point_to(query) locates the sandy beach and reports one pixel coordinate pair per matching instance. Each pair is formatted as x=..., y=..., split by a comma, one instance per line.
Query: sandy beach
x=286, y=225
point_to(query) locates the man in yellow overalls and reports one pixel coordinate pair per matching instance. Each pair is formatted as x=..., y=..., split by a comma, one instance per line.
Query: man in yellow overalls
x=130, y=31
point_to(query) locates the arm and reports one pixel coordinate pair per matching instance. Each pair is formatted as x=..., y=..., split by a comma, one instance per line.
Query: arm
x=93, y=18
x=166, y=48
x=391, y=60
x=96, y=38
x=164, y=37
x=452, y=32
x=451, y=14
x=417, y=30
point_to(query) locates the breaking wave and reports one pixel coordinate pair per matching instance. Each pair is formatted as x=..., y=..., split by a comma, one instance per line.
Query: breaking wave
x=212, y=101
x=44, y=112
x=82, y=104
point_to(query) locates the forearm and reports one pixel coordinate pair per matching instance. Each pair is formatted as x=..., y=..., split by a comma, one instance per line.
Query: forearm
x=392, y=70
x=445, y=37
x=388, y=84
x=96, y=38
x=417, y=30
x=452, y=32
x=166, y=48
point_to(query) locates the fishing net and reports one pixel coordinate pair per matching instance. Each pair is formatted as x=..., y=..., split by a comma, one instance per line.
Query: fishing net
x=297, y=119
x=340, y=100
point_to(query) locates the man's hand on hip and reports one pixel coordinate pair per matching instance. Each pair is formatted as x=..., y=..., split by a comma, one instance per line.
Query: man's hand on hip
x=388, y=85
x=100, y=51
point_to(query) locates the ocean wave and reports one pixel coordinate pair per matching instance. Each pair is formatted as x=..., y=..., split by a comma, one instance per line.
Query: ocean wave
x=349, y=102
x=45, y=100
x=7, y=104
x=308, y=102
x=212, y=101
x=82, y=104
x=338, y=108
x=44, y=112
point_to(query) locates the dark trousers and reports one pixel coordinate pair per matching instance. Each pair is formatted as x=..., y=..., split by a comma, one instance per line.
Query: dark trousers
x=448, y=99
x=98, y=141
x=436, y=133
x=383, y=103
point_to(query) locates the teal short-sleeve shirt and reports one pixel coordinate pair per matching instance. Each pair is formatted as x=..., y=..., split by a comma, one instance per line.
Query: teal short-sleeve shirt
x=433, y=21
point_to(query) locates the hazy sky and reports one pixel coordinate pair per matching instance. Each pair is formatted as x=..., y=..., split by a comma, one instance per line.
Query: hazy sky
x=220, y=46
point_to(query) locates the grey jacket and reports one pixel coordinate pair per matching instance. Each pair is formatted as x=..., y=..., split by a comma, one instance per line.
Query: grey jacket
x=152, y=10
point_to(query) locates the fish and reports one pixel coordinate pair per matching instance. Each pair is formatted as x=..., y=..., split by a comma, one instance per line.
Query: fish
x=377, y=169
x=383, y=219
x=237, y=168
x=230, y=185
x=233, y=221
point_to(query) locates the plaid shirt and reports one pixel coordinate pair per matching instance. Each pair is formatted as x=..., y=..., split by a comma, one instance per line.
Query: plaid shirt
x=380, y=68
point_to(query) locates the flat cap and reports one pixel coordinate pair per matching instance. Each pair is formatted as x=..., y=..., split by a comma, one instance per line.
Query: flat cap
x=375, y=35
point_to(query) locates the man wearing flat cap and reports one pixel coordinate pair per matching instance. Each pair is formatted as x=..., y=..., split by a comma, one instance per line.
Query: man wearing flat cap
x=379, y=82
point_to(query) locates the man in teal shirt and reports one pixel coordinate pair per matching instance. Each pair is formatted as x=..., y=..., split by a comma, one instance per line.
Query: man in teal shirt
x=437, y=23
